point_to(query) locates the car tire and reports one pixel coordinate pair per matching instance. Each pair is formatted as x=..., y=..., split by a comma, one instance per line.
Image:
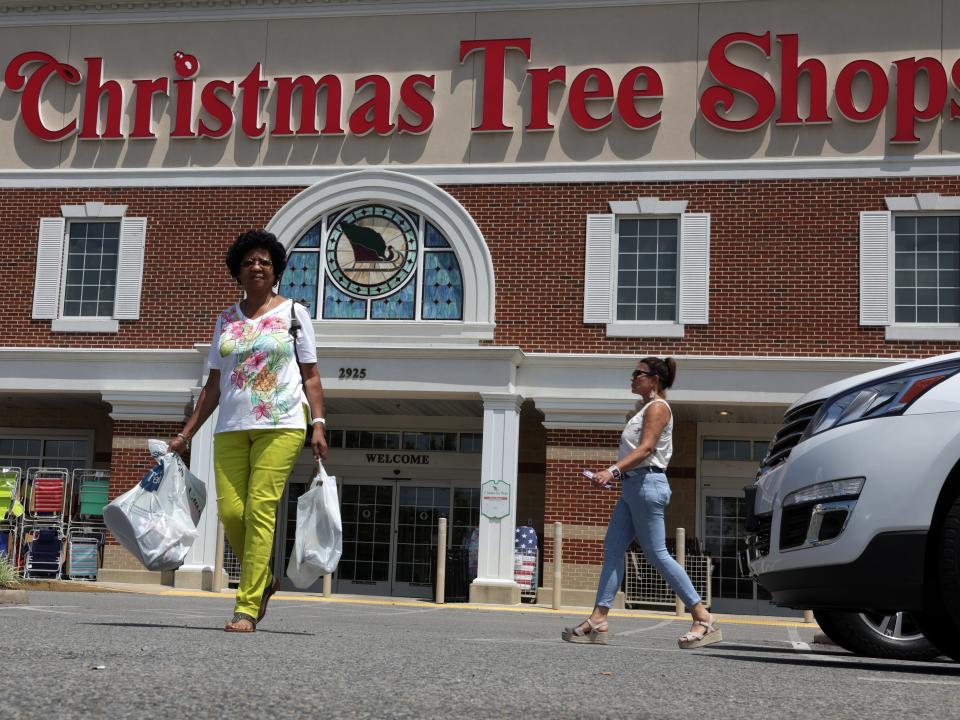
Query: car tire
x=940, y=620
x=881, y=635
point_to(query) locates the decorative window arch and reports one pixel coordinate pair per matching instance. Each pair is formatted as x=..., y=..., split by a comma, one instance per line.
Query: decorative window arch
x=380, y=253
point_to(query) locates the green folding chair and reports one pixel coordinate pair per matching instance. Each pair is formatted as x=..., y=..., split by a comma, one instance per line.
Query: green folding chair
x=93, y=496
x=9, y=484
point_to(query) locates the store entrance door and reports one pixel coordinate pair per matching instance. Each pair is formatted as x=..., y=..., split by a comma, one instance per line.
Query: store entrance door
x=389, y=537
x=389, y=533
x=724, y=526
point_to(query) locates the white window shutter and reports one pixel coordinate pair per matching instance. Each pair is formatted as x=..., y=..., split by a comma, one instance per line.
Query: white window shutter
x=694, y=274
x=133, y=236
x=598, y=285
x=46, y=284
x=876, y=238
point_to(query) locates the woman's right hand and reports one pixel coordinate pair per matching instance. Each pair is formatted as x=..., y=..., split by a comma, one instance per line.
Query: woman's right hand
x=177, y=445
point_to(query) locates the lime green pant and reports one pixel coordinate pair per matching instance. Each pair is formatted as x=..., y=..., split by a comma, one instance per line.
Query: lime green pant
x=251, y=468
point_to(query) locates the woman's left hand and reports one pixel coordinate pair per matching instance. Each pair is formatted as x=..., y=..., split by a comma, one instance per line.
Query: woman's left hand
x=318, y=443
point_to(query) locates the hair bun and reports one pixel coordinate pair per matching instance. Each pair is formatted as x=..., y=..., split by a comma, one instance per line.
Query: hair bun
x=671, y=370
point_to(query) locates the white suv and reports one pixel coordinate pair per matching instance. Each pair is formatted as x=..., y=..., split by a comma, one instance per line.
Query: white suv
x=856, y=508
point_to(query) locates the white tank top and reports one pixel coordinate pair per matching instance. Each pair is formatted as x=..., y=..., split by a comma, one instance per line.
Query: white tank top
x=630, y=438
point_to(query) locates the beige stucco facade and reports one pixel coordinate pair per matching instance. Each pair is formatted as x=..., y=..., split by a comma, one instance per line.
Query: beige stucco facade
x=672, y=38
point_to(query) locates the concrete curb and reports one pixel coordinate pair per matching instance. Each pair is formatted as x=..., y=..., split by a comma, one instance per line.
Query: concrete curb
x=64, y=586
x=13, y=597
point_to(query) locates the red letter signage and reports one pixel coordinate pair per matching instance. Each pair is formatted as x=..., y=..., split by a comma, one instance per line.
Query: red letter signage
x=494, y=67
x=33, y=91
x=748, y=82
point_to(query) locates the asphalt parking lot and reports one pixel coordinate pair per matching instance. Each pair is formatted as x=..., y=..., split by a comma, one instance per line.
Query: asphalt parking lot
x=121, y=655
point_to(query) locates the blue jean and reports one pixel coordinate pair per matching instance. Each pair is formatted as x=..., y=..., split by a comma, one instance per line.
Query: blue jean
x=639, y=514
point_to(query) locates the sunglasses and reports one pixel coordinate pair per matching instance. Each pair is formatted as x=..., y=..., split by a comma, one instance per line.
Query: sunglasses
x=638, y=373
x=250, y=262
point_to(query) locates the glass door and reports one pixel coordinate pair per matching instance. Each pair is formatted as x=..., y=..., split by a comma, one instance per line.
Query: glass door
x=390, y=532
x=724, y=526
x=419, y=510
x=367, y=511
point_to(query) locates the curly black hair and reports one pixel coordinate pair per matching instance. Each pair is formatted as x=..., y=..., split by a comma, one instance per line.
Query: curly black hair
x=252, y=240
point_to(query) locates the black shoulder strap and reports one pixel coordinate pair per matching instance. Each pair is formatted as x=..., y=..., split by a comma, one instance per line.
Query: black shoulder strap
x=294, y=328
x=294, y=320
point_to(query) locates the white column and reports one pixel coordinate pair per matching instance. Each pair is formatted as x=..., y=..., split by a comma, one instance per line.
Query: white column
x=501, y=438
x=202, y=555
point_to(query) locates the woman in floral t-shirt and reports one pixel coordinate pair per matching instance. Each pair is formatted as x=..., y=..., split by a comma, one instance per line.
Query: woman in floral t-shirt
x=261, y=375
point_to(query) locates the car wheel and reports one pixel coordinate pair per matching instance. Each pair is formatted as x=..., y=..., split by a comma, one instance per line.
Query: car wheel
x=874, y=634
x=940, y=620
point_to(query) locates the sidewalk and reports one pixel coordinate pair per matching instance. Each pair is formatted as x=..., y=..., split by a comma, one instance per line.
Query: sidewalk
x=306, y=597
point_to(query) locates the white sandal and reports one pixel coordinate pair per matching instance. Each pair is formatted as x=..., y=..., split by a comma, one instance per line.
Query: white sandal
x=596, y=635
x=711, y=634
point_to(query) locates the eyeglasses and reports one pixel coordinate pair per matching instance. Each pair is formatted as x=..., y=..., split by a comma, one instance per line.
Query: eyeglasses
x=250, y=262
x=638, y=373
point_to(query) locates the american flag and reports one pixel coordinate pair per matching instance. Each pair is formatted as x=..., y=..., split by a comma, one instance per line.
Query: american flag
x=525, y=557
x=525, y=538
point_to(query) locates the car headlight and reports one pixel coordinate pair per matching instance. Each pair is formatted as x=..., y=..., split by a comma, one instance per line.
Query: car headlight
x=850, y=487
x=890, y=396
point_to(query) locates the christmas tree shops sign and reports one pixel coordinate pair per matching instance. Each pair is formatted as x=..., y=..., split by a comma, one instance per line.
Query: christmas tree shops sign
x=495, y=499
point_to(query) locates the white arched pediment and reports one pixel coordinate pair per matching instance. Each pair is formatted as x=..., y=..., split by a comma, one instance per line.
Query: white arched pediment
x=393, y=188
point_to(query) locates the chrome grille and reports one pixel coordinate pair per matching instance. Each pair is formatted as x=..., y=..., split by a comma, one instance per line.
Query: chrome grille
x=762, y=541
x=794, y=423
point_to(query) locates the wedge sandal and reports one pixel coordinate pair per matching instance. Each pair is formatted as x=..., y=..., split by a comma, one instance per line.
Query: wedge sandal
x=596, y=635
x=710, y=634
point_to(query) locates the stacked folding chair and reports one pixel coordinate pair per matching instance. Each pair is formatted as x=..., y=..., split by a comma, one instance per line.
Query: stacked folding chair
x=83, y=556
x=44, y=553
x=9, y=521
x=85, y=530
x=47, y=492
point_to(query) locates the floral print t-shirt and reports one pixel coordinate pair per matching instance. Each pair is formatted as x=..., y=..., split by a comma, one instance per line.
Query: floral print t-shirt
x=260, y=386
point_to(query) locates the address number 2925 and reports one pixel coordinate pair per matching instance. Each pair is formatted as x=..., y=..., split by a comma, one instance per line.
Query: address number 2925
x=352, y=373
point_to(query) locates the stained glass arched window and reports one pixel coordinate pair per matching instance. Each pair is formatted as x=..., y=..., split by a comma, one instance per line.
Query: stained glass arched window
x=375, y=262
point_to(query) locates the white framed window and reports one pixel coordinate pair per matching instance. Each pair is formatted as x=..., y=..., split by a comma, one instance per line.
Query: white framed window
x=910, y=268
x=46, y=447
x=424, y=274
x=89, y=268
x=647, y=269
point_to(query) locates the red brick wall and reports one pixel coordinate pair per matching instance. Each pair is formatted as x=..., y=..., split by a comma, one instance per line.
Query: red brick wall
x=128, y=464
x=185, y=280
x=784, y=263
x=571, y=500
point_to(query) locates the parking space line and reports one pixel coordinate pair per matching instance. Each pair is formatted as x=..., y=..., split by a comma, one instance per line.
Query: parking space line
x=660, y=624
x=908, y=680
x=796, y=642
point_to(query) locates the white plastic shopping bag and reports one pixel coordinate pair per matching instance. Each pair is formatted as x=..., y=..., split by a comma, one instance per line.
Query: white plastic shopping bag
x=319, y=539
x=157, y=520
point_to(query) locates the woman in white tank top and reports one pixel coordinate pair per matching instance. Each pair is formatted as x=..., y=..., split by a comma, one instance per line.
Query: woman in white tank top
x=646, y=446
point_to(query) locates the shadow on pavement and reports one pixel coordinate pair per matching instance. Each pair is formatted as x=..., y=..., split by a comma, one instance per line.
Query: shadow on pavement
x=843, y=661
x=191, y=627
